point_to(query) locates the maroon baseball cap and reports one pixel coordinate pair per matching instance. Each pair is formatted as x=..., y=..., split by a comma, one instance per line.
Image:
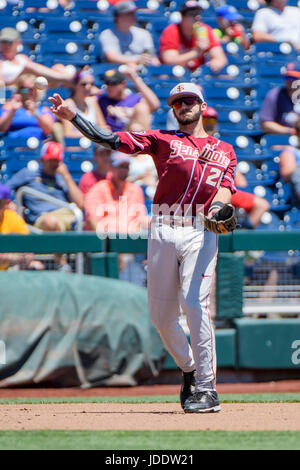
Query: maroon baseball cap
x=52, y=150
x=210, y=112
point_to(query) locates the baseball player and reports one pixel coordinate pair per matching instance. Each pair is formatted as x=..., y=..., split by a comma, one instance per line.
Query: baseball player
x=190, y=208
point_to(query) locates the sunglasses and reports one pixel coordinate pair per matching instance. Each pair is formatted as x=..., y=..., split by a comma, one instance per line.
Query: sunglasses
x=86, y=83
x=25, y=90
x=189, y=101
x=193, y=14
x=124, y=166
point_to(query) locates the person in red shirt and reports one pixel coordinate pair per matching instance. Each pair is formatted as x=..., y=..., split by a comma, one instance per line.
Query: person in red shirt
x=102, y=165
x=179, y=44
x=115, y=205
x=195, y=177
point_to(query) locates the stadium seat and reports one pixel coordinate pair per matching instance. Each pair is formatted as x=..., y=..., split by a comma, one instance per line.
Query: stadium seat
x=262, y=190
x=276, y=51
x=271, y=140
x=292, y=219
x=270, y=221
x=79, y=148
x=91, y=6
x=63, y=28
x=236, y=54
x=235, y=122
x=244, y=145
x=165, y=75
x=67, y=52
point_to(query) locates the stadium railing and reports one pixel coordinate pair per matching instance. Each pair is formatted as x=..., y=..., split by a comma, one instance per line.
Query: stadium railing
x=256, y=295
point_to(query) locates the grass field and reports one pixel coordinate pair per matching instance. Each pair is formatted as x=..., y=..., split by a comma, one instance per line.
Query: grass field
x=152, y=440
x=149, y=440
x=225, y=398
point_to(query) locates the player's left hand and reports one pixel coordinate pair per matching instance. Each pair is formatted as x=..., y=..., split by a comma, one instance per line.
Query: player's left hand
x=221, y=221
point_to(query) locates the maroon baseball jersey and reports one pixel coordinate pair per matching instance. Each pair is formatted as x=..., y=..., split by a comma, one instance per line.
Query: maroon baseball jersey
x=190, y=170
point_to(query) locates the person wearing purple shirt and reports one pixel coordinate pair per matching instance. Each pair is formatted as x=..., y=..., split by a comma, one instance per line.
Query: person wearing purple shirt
x=280, y=108
x=123, y=109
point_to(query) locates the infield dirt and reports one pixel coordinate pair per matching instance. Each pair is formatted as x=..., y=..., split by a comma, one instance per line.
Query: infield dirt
x=154, y=416
x=158, y=416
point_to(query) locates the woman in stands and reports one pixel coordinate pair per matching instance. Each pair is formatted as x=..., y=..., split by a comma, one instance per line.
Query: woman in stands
x=22, y=116
x=13, y=64
x=84, y=103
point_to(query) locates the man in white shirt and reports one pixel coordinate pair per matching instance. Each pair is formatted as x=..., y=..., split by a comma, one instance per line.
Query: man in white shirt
x=277, y=23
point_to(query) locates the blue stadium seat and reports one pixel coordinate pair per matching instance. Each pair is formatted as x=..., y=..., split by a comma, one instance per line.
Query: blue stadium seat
x=237, y=122
x=271, y=69
x=292, y=219
x=244, y=145
x=157, y=25
x=165, y=75
x=91, y=6
x=26, y=27
x=79, y=147
x=253, y=174
x=148, y=10
x=271, y=140
x=275, y=51
x=271, y=222
x=236, y=54
x=67, y=52
x=270, y=171
x=65, y=27
x=25, y=4
x=276, y=205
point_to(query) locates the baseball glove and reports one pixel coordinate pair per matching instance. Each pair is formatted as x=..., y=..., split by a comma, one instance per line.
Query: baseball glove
x=223, y=221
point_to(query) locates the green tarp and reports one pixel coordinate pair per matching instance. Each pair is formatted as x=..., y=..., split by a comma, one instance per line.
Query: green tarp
x=66, y=330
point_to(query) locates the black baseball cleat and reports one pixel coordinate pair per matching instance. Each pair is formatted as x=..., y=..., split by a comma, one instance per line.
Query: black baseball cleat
x=187, y=386
x=202, y=402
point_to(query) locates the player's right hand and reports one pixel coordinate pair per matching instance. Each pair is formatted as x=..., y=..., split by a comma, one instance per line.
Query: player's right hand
x=60, y=109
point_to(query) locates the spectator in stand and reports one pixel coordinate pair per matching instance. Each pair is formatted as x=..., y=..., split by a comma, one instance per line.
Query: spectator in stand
x=52, y=178
x=126, y=43
x=254, y=206
x=280, y=108
x=83, y=103
x=122, y=109
x=102, y=166
x=13, y=64
x=277, y=23
x=11, y=222
x=114, y=204
x=230, y=29
x=179, y=44
x=289, y=165
x=22, y=116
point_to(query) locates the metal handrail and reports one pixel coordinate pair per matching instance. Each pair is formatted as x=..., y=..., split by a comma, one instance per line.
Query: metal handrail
x=25, y=190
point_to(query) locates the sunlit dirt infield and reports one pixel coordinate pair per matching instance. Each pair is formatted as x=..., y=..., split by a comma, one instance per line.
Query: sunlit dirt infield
x=154, y=416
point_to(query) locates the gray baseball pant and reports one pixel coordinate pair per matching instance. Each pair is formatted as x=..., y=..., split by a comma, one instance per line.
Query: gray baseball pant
x=181, y=267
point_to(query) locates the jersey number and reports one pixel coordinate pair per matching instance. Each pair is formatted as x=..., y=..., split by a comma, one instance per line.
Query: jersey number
x=213, y=177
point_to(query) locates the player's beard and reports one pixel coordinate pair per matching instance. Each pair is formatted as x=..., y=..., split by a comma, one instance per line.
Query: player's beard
x=184, y=121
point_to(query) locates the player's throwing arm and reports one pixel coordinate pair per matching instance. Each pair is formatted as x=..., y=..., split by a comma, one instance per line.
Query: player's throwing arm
x=101, y=136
